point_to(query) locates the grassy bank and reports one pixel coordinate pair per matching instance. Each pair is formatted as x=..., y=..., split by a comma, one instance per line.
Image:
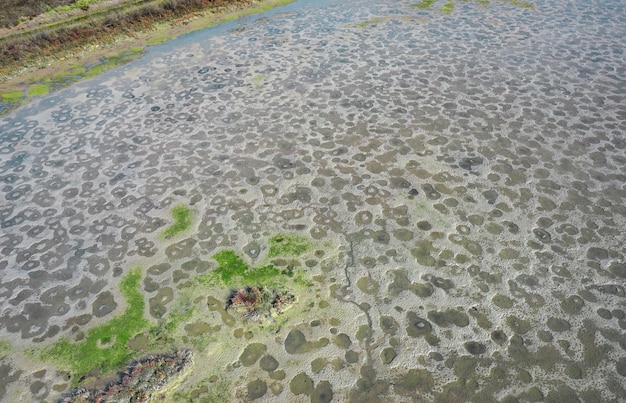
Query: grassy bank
x=76, y=40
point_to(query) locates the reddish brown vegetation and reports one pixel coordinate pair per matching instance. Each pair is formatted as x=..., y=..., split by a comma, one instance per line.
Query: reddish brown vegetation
x=139, y=382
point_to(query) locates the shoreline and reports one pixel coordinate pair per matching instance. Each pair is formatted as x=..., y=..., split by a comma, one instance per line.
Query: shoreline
x=53, y=72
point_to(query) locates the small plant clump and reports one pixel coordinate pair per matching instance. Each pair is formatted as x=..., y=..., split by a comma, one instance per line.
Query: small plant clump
x=258, y=303
x=139, y=382
x=182, y=221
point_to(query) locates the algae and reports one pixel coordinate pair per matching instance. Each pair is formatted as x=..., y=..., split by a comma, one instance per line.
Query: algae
x=288, y=245
x=5, y=348
x=38, y=90
x=424, y=4
x=232, y=269
x=89, y=354
x=182, y=221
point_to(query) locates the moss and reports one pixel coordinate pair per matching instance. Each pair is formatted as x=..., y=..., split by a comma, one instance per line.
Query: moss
x=424, y=4
x=5, y=348
x=89, y=354
x=448, y=8
x=114, y=61
x=288, y=245
x=38, y=90
x=372, y=21
x=258, y=80
x=521, y=4
x=233, y=270
x=158, y=40
x=12, y=97
x=182, y=221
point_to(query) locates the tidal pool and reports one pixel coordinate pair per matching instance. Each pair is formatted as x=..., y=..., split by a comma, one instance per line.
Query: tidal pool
x=405, y=202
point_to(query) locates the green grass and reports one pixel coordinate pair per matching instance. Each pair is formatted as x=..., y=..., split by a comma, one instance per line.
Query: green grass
x=288, y=245
x=81, y=357
x=182, y=221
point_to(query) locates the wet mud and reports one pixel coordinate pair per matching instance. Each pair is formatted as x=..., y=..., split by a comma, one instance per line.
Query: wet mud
x=442, y=193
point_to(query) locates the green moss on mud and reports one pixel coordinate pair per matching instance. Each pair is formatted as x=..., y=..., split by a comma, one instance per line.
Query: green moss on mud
x=288, y=245
x=5, y=348
x=232, y=270
x=182, y=221
x=38, y=90
x=424, y=4
x=104, y=346
x=11, y=97
x=114, y=61
x=448, y=8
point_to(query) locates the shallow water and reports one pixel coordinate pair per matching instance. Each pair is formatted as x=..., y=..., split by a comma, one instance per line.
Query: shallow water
x=461, y=179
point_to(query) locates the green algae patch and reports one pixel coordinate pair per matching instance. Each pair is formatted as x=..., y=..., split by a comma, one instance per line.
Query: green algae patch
x=448, y=8
x=38, y=90
x=115, y=60
x=521, y=4
x=182, y=221
x=78, y=72
x=105, y=346
x=424, y=4
x=12, y=97
x=5, y=348
x=258, y=80
x=233, y=269
x=288, y=245
x=368, y=23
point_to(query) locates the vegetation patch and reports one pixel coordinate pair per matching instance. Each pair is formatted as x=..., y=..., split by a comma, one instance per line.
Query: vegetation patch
x=448, y=6
x=104, y=346
x=288, y=245
x=12, y=97
x=182, y=221
x=233, y=270
x=424, y=4
x=255, y=304
x=38, y=90
x=140, y=382
x=5, y=348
